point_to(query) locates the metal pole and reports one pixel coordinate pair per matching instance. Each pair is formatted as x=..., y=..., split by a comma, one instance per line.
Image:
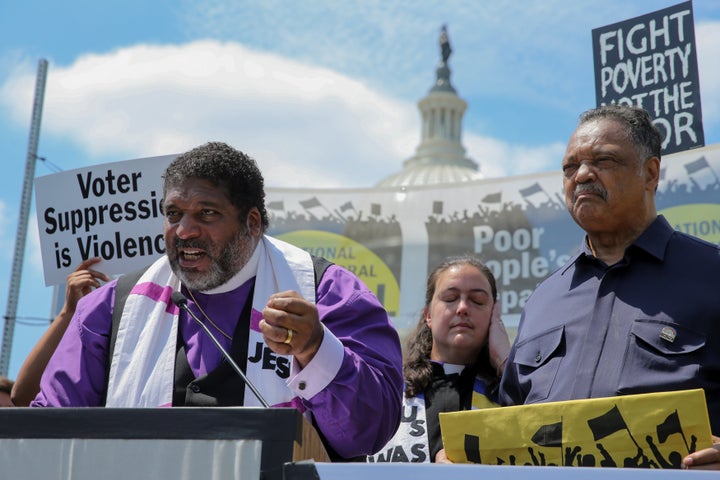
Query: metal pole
x=21, y=235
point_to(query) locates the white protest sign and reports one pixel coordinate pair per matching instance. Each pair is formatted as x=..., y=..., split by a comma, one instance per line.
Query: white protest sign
x=110, y=211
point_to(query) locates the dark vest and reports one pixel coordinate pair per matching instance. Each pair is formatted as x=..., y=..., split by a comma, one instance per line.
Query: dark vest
x=221, y=387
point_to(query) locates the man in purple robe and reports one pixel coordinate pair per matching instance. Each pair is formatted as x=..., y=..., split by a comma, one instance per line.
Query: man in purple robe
x=309, y=337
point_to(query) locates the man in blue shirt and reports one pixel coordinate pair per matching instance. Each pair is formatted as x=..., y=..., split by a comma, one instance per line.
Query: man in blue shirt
x=637, y=310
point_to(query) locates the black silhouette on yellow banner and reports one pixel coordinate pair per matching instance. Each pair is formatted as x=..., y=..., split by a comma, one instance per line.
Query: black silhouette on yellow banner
x=612, y=422
x=607, y=441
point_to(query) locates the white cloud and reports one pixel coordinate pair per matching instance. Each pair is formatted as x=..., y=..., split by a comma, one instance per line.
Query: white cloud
x=306, y=126
x=707, y=36
x=501, y=159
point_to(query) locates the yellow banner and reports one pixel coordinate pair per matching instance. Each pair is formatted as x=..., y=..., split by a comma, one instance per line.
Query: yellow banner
x=654, y=430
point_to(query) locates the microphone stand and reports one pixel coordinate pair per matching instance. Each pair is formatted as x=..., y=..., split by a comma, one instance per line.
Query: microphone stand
x=179, y=299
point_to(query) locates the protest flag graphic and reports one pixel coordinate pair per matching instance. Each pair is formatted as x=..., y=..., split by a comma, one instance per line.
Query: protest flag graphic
x=310, y=203
x=611, y=422
x=472, y=448
x=492, y=198
x=696, y=165
x=346, y=206
x=549, y=435
x=531, y=190
x=535, y=195
x=697, y=168
x=607, y=423
x=671, y=426
x=313, y=202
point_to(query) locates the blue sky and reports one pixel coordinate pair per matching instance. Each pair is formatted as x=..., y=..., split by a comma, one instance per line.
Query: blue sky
x=321, y=92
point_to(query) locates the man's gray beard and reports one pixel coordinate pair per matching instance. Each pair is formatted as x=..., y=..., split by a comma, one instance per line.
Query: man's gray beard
x=232, y=259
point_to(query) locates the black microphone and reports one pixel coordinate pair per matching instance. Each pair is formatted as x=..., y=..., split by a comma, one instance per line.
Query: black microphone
x=180, y=300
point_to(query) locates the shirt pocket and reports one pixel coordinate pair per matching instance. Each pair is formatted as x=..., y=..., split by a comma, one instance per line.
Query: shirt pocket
x=537, y=360
x=661, y=356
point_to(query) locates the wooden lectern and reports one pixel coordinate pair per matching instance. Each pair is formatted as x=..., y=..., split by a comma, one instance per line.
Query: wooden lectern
x=245, y=443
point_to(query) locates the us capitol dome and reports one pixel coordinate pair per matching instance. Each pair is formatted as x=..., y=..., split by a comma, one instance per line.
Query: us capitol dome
x=440, y=158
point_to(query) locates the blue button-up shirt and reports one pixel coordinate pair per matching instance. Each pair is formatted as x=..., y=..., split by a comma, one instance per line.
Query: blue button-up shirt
x=648, y=323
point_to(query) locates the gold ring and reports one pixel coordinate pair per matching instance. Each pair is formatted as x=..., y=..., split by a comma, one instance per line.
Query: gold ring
x=288, y=339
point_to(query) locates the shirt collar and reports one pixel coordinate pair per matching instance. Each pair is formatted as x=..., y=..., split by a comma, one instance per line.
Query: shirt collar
x=655, y=238
x=447, y=368
x=451, y=368
x=653, y=241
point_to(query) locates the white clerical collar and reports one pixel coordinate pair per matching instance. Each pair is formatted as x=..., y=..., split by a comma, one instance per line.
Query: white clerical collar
x=245, y=273
x=451, y=368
